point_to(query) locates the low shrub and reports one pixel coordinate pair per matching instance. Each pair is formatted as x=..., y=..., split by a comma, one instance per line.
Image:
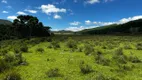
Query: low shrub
x=40, y=50
x=13, y=76
x=103, y=77
x=3, y=65
x=119, y=56
x=88, y=49
x=99, y=59
x=71, y=44
x=19, y=59
x=9, y=58
x=24, y=48
x=85, y=68
x=55, y=44
x=125, y=67
x=134, y=59
x=53, y=73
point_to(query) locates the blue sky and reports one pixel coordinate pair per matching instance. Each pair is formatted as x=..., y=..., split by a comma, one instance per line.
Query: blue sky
x=73, y=15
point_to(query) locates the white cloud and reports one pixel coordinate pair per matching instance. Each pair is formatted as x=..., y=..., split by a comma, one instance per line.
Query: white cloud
x=88, y=22
x=92, y=1
x=5, y=12
x=75, y=28
x=75, y=23
x=48, y=9
x=57, y=16
x=21, y=13
x=31, y=11
x=11, y=17
x=125, y=20
x=103, y=23
x=4, y=1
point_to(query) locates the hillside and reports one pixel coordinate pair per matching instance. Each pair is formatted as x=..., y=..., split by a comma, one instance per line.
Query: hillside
x=132, y=27
x=6, y=22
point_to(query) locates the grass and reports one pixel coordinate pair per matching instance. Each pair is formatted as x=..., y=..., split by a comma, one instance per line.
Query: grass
x=80, y=58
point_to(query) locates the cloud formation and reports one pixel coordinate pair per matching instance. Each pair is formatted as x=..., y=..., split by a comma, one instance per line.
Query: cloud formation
x=11, y=17
x=4, y=1
x=48, y=9
x=21, y=13
x=31, y=11
x=75, y=23
x=5, y=12
x=56, y=16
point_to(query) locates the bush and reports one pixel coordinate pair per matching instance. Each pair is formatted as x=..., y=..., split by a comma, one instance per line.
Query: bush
x=16, y=50
x=134, y=59
x=85, y=68
x=125, y=67
x=3, y=65
x=9, y=58
x=53, y=73
x=101, y=60
x=40, y=50
x=103, y=77
x=13, y=76
x=120, y=59
x=54, y=45
x=88, y=49
x=24, y=49
x=119, y=51
x=19, y=59
x=139, y=46
x=119, y=56
x=71, y=44
x=127, y=47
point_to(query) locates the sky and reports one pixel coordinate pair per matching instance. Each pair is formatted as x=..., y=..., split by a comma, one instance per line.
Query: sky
x=74, y=15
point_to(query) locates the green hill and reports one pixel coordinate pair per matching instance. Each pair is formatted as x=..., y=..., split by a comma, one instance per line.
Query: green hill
x=5, y=22
x=132, y=27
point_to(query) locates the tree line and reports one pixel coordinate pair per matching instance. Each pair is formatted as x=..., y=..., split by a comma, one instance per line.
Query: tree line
x=25, y=26
x=132, y=27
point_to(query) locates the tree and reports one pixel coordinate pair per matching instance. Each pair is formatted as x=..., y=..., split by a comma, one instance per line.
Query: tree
x=28, y=26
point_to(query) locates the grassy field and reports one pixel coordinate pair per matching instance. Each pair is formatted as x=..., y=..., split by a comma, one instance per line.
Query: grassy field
x=72, y=58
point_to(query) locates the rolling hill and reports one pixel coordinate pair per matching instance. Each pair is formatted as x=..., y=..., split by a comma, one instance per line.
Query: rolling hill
x=132, y=27
x=5, y=22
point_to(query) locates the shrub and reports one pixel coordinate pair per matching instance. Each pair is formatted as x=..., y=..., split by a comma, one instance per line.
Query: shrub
x=127, y=47
x=119, y=56
x=88, y=49
x=120, y=59
x=125, y=67
x=24, y=48
x=71, y=44
x=13, y=76
x=101, y=60
x=16, y=50
x=3, y=65
x=53, y=73
x=103, y=77
x=119, y=51
x=9, y=58
x=55, y=44
x=139, y=46
x=19, y=59
x=40, y=50
x=85, y=68
x=134, y=59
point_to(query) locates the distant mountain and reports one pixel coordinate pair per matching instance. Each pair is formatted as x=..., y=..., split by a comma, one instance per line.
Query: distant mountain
x=62, y=32
x=5, y=22
x=132, y=27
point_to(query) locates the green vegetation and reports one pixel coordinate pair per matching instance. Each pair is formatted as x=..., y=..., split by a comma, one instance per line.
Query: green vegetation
x=132, y=27
x=25, y=26
x=72, y=58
